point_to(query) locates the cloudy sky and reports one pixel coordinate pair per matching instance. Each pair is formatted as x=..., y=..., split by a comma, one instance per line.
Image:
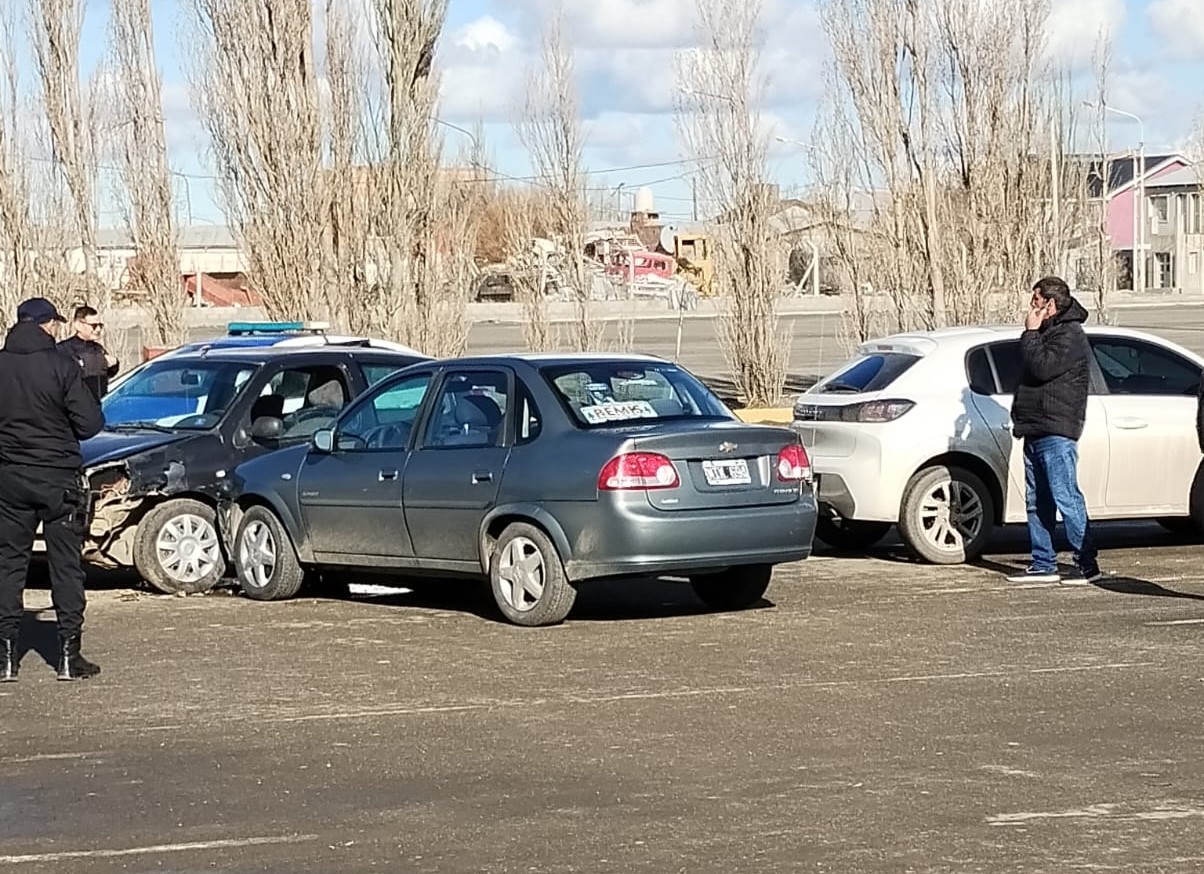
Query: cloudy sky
x=625, y=50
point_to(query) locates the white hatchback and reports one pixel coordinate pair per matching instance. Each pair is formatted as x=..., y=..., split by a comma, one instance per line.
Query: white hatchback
x=915, y=430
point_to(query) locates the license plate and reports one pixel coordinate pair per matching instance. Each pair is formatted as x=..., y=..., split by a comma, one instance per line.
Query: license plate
x=733, y=472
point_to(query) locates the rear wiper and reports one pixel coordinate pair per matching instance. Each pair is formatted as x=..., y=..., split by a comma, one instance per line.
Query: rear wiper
x=140, y=426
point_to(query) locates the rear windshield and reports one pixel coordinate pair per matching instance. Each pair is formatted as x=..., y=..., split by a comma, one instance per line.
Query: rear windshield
x=867, y=373
x=609, y=393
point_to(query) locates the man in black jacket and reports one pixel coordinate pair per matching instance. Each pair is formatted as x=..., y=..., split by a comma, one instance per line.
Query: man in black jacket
x=1048, y=413
x=85, y=347
x=44, y=412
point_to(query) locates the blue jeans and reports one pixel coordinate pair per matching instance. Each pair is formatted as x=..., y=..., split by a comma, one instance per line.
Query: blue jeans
x=1051, y=485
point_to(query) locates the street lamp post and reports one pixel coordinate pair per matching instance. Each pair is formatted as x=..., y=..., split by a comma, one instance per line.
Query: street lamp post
x=1139, y=223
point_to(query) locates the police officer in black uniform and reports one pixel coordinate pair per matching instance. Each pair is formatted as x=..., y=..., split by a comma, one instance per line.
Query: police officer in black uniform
x=85, y=347
x=45, y=410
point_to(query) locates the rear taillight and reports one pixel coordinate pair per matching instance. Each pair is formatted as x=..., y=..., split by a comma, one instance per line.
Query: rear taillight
x=793, y=464
x=638, y=470
x=870, y=412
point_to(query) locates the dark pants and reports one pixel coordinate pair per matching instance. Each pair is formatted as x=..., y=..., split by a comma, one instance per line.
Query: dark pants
x=29, y=495
x=1052, y=484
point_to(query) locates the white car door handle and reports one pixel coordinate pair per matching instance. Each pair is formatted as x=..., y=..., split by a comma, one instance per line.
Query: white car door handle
x=1131, y=424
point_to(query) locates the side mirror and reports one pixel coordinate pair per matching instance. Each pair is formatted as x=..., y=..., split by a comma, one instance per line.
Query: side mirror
x=323, y=441
x=267, y=428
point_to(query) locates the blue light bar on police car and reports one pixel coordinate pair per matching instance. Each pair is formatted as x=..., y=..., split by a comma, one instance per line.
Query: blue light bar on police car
x=236, y=329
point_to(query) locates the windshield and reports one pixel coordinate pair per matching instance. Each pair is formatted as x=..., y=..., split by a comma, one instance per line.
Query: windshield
x=609, y=393
x=189, y=396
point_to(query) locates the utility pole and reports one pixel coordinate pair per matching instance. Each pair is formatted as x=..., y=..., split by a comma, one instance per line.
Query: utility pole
x=694, y=195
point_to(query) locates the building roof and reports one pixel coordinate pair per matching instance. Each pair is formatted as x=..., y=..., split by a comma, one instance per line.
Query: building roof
x=193, y=237
x=1184, y=177
x=1121, y=170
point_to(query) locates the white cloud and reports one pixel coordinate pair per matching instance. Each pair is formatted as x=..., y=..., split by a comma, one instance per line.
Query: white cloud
x=1076, y=27
x=1181, y=24
x=483, y=34
x=483, y=70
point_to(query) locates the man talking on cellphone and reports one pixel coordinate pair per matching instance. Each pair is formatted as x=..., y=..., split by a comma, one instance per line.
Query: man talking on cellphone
x=1048, y=413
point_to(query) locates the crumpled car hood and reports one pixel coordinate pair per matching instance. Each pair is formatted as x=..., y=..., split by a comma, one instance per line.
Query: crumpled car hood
x=110, y=446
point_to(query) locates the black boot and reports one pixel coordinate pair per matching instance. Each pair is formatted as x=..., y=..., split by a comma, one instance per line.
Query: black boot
x=72, y=665
x=8, y=660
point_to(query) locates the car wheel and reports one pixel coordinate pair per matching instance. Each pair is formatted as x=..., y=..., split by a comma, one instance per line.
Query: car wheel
x=264, y=558
x=849, y=535
x=736, y=589
x=528, y=579
x=176, y=548
x=947, y=515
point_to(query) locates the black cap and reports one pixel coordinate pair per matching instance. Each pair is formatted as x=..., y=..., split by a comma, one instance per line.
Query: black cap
x=39, y=311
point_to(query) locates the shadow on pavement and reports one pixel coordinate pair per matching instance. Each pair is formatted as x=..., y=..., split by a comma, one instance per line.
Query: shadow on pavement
x=40, y=636
x=610, y=601
x=1131, y=586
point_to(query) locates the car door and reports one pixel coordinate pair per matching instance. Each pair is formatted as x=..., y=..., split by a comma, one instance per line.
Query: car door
x=1151, y=412
x=996, y=410
x=351, y=498
x=453, y=476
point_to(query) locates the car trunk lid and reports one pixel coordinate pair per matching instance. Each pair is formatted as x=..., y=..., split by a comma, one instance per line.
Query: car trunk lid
x=719, y=465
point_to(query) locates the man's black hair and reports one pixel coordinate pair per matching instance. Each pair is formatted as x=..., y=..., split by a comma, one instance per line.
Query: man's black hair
x=1054, y=288
x=84, y=312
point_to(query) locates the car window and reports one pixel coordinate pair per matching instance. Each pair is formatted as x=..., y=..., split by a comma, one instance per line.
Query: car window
x=979, y=375
x=470, y=410
x=867, y=373
x=374, y=372
x=384, y=419
x=1134, y=367
x=191, y=395
x=1009, y=365
x=305, y=399
x=608, y=393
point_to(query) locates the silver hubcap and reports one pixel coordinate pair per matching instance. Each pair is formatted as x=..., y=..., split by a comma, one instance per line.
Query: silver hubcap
x=521, y=574
x=257, y=555
x=187, y=548
x=951, y=515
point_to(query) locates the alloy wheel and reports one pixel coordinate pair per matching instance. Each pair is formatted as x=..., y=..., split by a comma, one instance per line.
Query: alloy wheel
x=951, y=515
x=521, y=574
x=257, y=554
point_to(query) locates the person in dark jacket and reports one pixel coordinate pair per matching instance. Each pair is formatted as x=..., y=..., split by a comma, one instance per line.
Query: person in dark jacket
x=46, y=410
x=1048, y=412
x=85, y=347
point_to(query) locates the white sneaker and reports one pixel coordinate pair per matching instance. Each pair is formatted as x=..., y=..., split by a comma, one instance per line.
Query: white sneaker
x=1034, y=576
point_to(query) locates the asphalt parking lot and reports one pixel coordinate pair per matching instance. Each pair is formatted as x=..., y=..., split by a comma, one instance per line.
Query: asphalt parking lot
x=877, y=715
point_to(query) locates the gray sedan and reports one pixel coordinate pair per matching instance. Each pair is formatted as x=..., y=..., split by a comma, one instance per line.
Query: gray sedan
x=537, y=472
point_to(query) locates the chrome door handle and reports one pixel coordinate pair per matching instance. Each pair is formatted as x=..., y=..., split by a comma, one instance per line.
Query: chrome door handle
x=386, y=476
x=482, y=476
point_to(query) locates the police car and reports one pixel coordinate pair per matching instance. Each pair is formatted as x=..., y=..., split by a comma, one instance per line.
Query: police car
x=176, y=424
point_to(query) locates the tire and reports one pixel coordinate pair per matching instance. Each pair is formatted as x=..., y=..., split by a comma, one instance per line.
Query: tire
x=525, y=559
x=177, y=550
x=264, y=558
x=924, y=515
x=849, y=535
x=736, y=589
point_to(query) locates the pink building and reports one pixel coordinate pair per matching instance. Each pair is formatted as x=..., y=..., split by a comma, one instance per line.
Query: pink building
x=1172, y=242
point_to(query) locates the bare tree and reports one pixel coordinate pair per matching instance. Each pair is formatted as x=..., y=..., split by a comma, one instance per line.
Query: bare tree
x=719, y=126
x=55, y=30
x=143, y=148
x=16, y=233
x=550, y=129
x=950, y=131
x=256, y=92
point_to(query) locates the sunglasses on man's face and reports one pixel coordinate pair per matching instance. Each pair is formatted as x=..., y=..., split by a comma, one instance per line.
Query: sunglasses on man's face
x=94, y=325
